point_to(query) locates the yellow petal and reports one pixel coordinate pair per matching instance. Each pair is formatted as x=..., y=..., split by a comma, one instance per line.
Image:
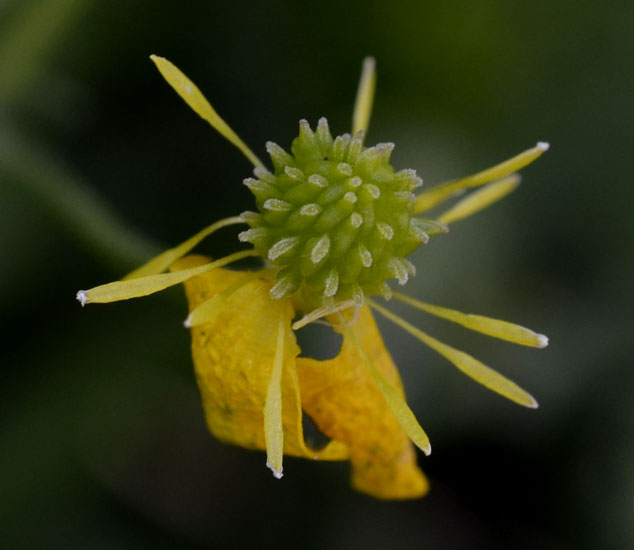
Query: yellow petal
x=431, y=197
x=479, y=200
x=486, y=325
x=469, y=365
x=197, y=101
x=143, y=286
x=273, y=430
x=234, y=356
x=342, y=397
x=161, y=262
x=365, y=96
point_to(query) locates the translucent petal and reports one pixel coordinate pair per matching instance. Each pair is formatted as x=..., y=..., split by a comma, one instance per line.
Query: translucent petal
x=161, y=262
x=365, y=96
x=273, y=428
x=142, y=286
x=467, y=364
x=197, y=101
x=342, y=396
x=234, y=356
x=431, y=197
x=486, y=325
x=479, y=200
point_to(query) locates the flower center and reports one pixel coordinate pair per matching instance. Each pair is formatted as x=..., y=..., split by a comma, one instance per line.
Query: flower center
x=335, y=217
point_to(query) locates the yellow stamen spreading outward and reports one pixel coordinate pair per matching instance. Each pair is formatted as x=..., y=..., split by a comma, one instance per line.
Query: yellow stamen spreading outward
x=486, y=325
x=197, y=101
x=209, y=309
x=143, y=286
x=430, y=198
x=273, y=432
x=480, y=199
x=397, y=404
x=162, y=262
x=365, y=96
x=467, y=364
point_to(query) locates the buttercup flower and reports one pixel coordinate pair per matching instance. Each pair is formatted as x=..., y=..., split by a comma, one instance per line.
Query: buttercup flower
x=334, y=223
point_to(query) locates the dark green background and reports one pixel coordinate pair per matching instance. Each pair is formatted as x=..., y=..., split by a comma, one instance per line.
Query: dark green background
x=102, y=438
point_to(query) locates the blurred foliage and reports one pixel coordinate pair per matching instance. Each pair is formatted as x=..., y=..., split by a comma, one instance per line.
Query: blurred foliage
x=102, y=436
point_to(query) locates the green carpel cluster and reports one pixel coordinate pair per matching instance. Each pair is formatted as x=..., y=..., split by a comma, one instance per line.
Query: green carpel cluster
x=335, y=217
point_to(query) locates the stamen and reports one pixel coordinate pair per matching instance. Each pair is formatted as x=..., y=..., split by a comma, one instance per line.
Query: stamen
x=430, y=198
x=209, y=309
x=365, y=96
x=281, y=247
x=486, y=325
x=160, y=263
x=321, y=312
x=386, y=230
x=143, y=286
x=480, y=199
x=397, y=404
x=197, y=101
x=332, y=283
x=273, y=427
x=469, y=365
x=277, y=205
x=365, y=255
x=356, y=219
x=320, y=249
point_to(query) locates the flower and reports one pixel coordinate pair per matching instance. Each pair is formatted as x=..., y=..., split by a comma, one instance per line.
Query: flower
x=335, y=221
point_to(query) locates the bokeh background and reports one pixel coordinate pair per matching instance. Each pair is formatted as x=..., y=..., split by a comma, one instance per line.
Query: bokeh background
x=102, y=438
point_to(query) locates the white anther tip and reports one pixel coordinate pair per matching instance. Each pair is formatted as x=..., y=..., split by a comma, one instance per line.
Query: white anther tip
x=277, y=474
x=187, y=323
x=543, y=145
x=543, y=340
x=81, y=297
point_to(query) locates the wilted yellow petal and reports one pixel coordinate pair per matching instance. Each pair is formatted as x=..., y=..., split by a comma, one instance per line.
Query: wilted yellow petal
x=135, y=288
x=342, y=397
x=431, y=197
x=486, y=325
x=365, y=96
x=467, y=364
x=479, y=200
x=161, y=262
x=234, y=357
x=273, y=432
x=197, y=101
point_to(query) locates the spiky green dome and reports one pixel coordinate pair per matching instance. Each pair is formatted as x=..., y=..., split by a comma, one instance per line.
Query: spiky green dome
x=335, y=217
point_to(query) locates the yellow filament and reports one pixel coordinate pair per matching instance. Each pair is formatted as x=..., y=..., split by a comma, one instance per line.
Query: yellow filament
x=464, y=362
x=321, y=312
x=197, y=101
x=479, y=200
x=397, y=404
x=209, y=309
x=486, y=325
x=161, y=262
x=142, y=286
x=273, y=430
x=430, y=198
x=365, y=96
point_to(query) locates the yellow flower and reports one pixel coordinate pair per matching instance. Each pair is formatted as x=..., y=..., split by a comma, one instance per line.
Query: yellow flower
x=334, y=222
